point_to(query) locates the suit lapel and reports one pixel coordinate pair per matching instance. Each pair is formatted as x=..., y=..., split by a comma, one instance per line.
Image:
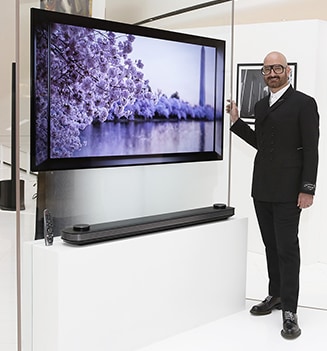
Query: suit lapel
x=262, y=109
x=278, y=103
x=263, y=106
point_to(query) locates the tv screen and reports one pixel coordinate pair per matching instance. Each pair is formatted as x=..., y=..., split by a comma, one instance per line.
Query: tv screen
x=105, y=94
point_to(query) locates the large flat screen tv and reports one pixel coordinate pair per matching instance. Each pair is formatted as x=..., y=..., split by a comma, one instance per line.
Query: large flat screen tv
x=105, y=94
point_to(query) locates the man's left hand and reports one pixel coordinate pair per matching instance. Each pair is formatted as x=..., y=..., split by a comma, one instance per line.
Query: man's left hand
x=304, y=200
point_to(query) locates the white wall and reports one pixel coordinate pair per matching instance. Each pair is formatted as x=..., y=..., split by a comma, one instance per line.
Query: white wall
x=103, y=195
x=321, y=74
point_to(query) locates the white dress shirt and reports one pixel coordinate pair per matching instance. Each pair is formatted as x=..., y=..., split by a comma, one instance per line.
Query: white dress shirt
x=275, y=96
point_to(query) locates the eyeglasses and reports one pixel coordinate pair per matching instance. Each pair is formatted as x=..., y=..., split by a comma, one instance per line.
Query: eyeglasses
x=278, y=69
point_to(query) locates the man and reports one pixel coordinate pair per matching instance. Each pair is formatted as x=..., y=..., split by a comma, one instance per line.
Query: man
x=284, y=180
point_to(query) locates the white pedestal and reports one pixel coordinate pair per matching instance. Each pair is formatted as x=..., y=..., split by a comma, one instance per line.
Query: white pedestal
x=126, y=294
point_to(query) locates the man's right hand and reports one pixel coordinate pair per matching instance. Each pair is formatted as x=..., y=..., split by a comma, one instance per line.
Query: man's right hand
x=232, y=109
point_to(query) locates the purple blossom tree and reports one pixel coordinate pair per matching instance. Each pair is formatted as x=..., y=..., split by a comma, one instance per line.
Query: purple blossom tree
x=93, y=80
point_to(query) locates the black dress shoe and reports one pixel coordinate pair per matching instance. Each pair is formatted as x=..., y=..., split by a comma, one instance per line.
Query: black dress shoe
x=266, y=306
x=291, y=328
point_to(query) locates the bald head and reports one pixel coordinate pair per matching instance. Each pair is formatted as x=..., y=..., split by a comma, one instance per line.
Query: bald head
x=274, y=57
x=276, y=81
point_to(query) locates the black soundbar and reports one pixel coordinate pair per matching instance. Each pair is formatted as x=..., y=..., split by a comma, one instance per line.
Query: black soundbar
x=81, y=234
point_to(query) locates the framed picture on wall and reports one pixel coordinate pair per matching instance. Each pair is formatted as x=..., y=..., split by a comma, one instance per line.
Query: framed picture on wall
x=251, y=88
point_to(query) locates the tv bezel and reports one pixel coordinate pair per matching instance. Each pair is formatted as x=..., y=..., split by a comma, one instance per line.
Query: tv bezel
x=40, y=16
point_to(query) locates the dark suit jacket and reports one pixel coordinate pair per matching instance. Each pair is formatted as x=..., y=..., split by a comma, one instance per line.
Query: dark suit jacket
x=286, y=138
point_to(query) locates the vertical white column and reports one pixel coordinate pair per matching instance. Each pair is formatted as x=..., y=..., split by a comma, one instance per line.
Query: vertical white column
x=99, y=8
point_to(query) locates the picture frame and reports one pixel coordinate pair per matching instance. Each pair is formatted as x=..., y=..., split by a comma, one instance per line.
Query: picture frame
x=251, y=87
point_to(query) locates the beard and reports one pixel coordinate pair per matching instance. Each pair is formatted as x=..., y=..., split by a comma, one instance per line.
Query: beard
x=276, y=82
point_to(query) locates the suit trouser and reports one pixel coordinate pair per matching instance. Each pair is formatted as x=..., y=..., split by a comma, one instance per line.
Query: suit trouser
x=279, y=223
